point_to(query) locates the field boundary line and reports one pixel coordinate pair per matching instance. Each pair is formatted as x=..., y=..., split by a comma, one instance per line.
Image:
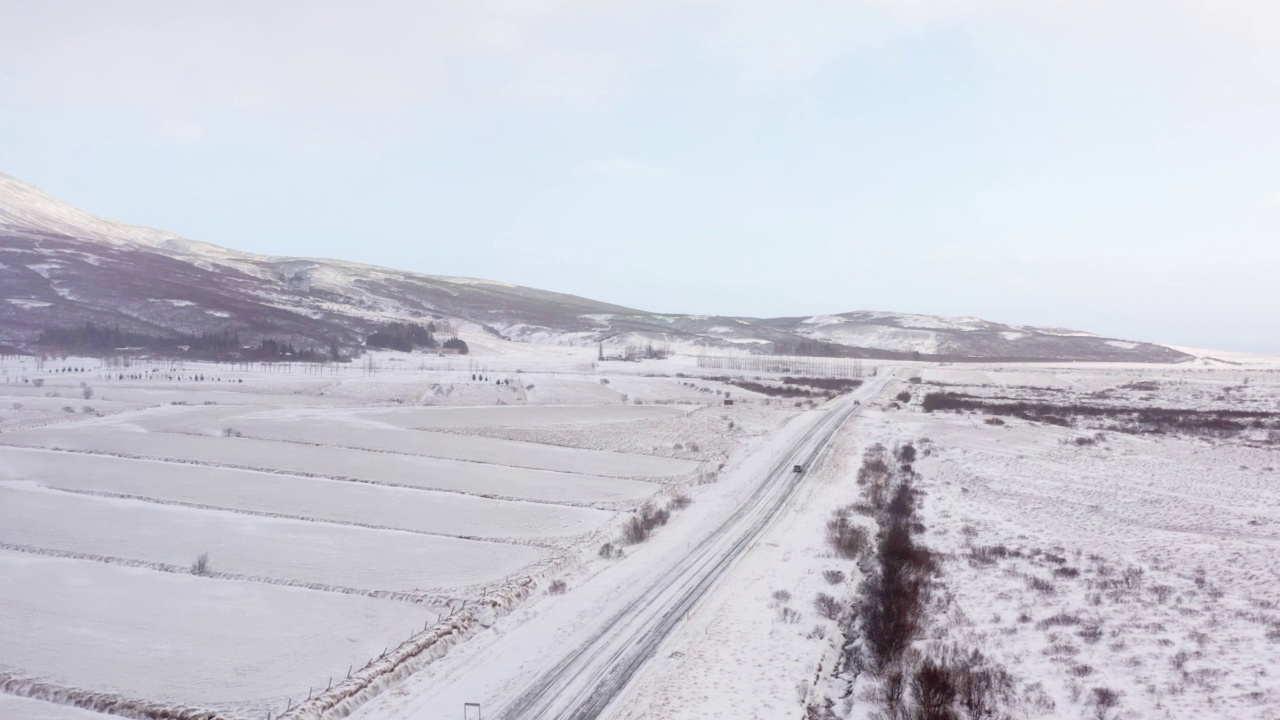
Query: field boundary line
x=417, y=598
x=524, y=542
x=656, y=479
x=615, y=506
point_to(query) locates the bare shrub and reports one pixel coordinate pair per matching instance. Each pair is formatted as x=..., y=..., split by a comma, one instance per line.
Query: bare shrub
x=818, y=632
x=201, y=565
x=876, y=475
x=610, y=551
x=987, y=554
x=893, y=690
x=634, y=531
x=788, y=616
x=833, y=577
x=68, y=409
x=982, y=688
x=557, y=587
x=640, y=526
x=934, y=690
x=1066, y=572
x=847, y=539
x=893, y=598
x=1041, y=585
x=954, y=684
x=680, y=502
x=826, y=606
x=1102, y=702
x=87, y=392
x=1061, y=619
x=38, y=382
x=780, y=597
x=1162, y=593
x=1091, y=633
x=1132, y=578
x=1058, y=650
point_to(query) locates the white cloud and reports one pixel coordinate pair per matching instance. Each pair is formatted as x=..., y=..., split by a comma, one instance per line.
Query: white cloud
x=319, y=58
x=239, y=55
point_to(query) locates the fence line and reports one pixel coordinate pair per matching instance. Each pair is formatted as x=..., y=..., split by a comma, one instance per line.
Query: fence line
x=808, y=366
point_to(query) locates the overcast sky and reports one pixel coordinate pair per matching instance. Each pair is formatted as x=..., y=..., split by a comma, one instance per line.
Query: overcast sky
x=1111, y=166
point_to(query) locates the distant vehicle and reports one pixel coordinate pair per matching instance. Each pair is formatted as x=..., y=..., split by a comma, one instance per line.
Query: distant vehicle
x=798, y=468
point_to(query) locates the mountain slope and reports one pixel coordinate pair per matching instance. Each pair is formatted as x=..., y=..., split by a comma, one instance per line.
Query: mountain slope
x=62, y=267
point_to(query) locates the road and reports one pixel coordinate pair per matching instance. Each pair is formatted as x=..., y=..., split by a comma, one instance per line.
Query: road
x=579, y=676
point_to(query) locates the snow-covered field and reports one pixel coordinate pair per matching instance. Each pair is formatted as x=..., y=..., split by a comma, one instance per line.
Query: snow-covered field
x=183, y=639
x=341, y=514
x=285, y=549
x=344, y=512
x=1146, y=565
x=207, y=455
x=305, y=498
x=1117, y=574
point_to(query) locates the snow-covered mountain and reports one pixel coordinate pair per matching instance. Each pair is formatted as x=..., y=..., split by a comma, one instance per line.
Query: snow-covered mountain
x=62, y=267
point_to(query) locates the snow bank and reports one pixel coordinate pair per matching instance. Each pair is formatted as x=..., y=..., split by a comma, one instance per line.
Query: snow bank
x=101, y=702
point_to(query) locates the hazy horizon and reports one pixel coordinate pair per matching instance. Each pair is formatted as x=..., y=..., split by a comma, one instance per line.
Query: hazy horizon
x=1095, y=166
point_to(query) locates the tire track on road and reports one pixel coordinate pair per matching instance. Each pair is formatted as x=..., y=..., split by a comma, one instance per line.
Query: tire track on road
x=583, y=684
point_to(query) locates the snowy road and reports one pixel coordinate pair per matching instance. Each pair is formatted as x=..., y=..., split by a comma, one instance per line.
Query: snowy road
x=576, y=670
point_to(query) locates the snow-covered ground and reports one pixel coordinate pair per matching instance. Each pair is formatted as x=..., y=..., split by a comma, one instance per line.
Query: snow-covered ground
x=341, y=513
x=752, y=650
x=185, y=639
x=346, y=510
x=283, y=549
x=14, y=706
x=500, y=661
x=323, y=499
x=389, y=468
x=1143, y=567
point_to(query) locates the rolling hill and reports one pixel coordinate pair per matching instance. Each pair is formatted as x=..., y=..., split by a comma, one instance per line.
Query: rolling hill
x=61, y=267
